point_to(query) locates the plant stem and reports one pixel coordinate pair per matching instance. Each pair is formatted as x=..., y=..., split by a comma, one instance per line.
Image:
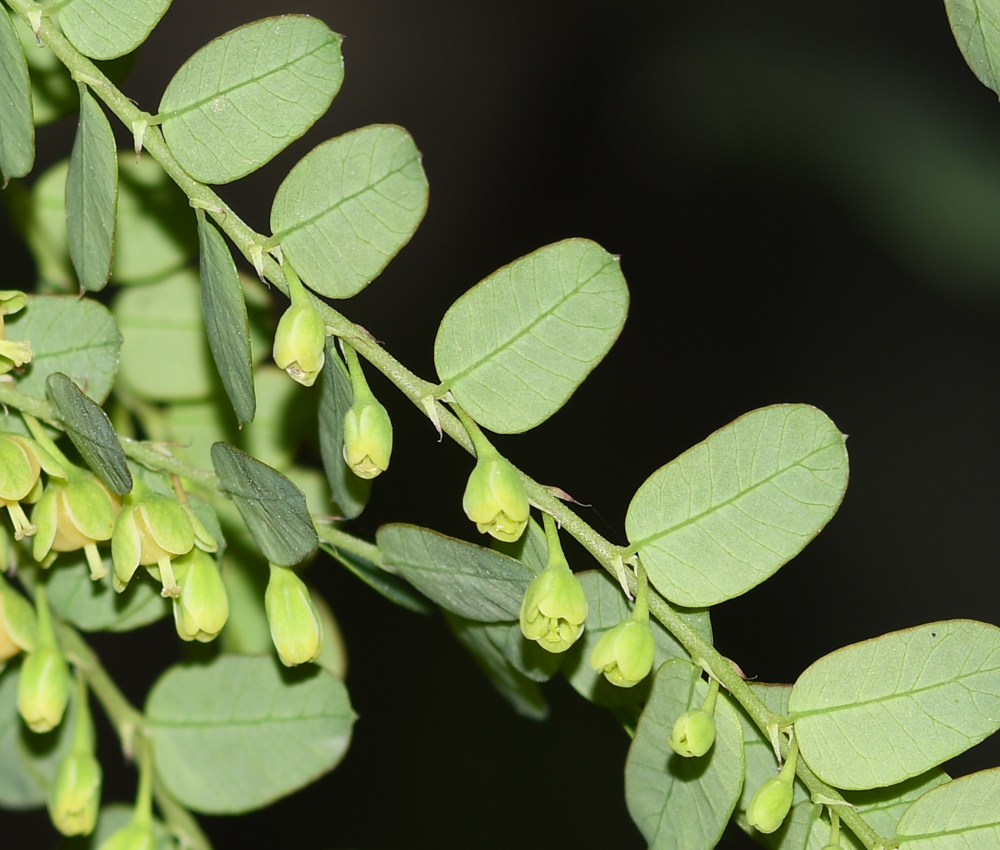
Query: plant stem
x=182, y=823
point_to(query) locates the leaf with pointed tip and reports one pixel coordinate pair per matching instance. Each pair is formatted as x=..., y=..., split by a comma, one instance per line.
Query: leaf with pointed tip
x=226, y=322
x=729, y=512
x=273, y=508
x=17, y=129
x=878, y=712
x=104, y=29
x=963, y=814
x=241, y=731
x=89, y=429
x=244, y=97
x=675, y=801
x=466, y=579
x=516, y=346
x=349, y=206
x=92, y=196
x=335, y=399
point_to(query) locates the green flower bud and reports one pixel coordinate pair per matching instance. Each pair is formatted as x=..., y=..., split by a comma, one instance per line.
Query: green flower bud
x=76, y=513
x=771, y=802
x=367, y=439
x=625, y=653
x=300, y=339
x=12, y=354
x=202, y=608
x=296, y=628
x=18, y=624
x=43, y=689
x=76, y=793
x=150, y=530
x=495, y=499
x=135, y=836
x=693, y=733
x=554, y=606
x=19, y=471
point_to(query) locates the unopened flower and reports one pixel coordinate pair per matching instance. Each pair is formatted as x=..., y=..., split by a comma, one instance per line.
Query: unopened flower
x=771, y=802
x=75, y=797
x=367, y=439
x=43, y=689
x=694, y=731
x=300, y=338
x=18, y=624
x=202, y=608
x=625, y=653
x=495, y=499
x=296, y=628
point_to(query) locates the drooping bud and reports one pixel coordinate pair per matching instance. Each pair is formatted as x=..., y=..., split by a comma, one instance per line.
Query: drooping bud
x=139, y=834
x=75, y=797
x=771, y=803
x=202, y=608
x=367, y=427
x=554, y=606
x=18, y=624
x=135, y=836
x=12, y=354
x=296, y=628
x=625, y=653
x=151, y=530
x=300, y=339
x=694, y=731
x=43, y=689
x=19, y=471
x=75, y=513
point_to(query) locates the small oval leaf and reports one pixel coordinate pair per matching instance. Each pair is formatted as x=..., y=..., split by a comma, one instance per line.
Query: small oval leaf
x=92, y=196
x=17, y=127
x=466, y=579
x=878, y=712
x=273, y=508
x=244, y=97
x=674, y=801
x=90, y=430
x=729, y=512
x=104, y=29
x=239, y=732
x=226, y=322
x=958, y=815
x=516, y=346
x=349, y=206
x=976, y=25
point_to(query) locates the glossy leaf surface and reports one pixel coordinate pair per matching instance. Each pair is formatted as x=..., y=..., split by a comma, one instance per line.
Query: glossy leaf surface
x=247, y=95
x=515, y=347
x=729, y=512
x=349, y=206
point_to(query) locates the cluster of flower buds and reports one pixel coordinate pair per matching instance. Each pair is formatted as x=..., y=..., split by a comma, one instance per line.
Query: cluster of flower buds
x=13, y=355
x=75, y=797
x=300, y=338
x=367, y=428
x=554, y=606
x=771, y=802
x=296, y=628
x=625, y=653
x=694, y=731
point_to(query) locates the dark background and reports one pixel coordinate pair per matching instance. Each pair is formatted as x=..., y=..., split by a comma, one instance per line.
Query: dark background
x=806, y=199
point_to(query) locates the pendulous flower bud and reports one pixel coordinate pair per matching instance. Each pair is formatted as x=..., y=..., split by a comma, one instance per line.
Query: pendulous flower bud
x=202, y=608
x=12, y=354
x=554, y=606
x=693, y=733
x=18, y=624
x=300, y=339
x=19, y=471
x=43, y=689
x=135, y=836
x=150, y=531
x=625, y=653
x=771, y=803
x=367, y=439
x=495, y=499
x=296, y=628
x=75, y=797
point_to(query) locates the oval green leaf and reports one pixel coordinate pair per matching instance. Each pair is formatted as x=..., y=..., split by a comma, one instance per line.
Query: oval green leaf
x=466, y=579
x=878, y=712
x=90, y=430
x=516, y=346
x=273, y=508
x=247, y=95
x=960, y=815
x=976, y=25
x=239, y=732
x=349, y=206
x=17, y=127
x=92, y=196
x=606, y=608
x=104, y=29
x=674, y=801
x=75, y=336
x=335, y=399
x=226, y=322
x=729, y=512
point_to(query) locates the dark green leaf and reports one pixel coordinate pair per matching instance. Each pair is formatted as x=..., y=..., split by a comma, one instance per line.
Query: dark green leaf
x=468, y=580
x=240, y=732
x=524, y=695
x=516, y=346
x=391, y=586
x=92, y=196
x=17, y=129
x=248, y=94
x=89, y=429
x=349, y=206
x=336, y=397
x=272, y=507
x=226, y=321
x=524, y=655
x=104, y=29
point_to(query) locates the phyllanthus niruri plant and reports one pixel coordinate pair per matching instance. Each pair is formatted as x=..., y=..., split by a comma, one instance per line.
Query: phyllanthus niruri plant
x=114, y=438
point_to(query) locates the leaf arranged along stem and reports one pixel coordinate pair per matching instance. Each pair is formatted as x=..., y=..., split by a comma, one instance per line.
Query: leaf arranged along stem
x=17, y=127
x=105, y=29
x=976, y=25
x=963, y=814
x=92, y=195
